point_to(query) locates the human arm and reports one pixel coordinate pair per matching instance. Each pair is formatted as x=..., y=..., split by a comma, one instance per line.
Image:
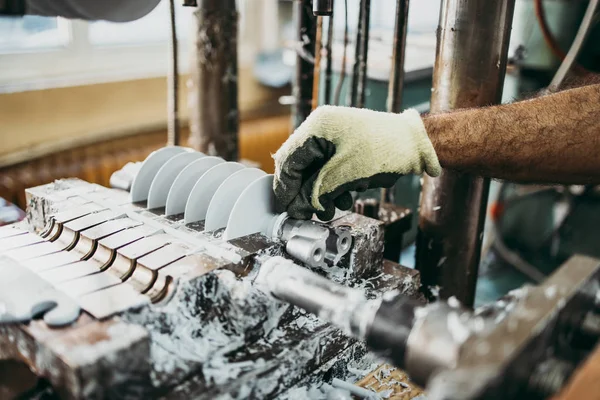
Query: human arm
x=110, y=10
x=549, y=139
x=554, y=138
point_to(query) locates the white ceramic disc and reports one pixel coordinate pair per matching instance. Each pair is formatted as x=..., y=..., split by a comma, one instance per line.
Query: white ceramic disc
x=253, y=211
x=204, y=189
x=159, y=189
x=141, y=184
x=185, y=181
x=226, y=195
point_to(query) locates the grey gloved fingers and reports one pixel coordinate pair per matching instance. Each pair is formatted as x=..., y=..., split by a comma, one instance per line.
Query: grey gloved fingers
x=344, y=201
x=328, y=210
x=301, y=206
x=297, y=172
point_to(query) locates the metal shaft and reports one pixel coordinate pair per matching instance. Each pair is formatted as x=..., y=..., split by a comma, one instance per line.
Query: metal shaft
x=356, y=94
x=365, y=11
x=394, y=100
x=306, y=23
x=469, y=71
x=174, y=138
x=329, y=61
x=213, y=100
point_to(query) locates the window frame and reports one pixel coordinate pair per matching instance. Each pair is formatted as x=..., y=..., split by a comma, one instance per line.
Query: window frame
x=81, y=62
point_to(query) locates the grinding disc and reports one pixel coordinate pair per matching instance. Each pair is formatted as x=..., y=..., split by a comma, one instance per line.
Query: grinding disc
x=205, y=188
x=141, y=184
x=226, y=195
x=253, y=211
x=159, y=189
x=185, y=181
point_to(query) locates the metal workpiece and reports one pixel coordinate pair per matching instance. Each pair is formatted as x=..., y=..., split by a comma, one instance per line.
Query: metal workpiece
x=306, y=25
x=323, y=7
x=435, y=340
x=344, y=307
x=386, y=324
x=473, y=37
x=312, y=243
x=504, y=360
x=213, y=83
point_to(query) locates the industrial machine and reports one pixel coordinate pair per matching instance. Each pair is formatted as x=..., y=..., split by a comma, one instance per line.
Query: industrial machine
x=190, y=286
x=182, y=281
x=155, y=297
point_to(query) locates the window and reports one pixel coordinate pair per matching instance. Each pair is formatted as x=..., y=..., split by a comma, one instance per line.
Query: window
x=41, y=52
x=153, y=28
x=30, y=33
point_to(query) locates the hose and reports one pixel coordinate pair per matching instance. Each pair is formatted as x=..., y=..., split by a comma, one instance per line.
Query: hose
x=549, y=37
x=582, y=34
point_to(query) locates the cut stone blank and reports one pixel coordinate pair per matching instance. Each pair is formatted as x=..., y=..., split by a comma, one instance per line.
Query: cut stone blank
x=253, y=211
x=185, y=181
x=163, y=181
x=204, y=189
x=226, y=195
x=141, y=184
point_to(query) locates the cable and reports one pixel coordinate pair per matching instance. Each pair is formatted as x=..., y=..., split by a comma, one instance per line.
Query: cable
x=173, y=84
x=338, y=88
x=582, y=34
x=549, y=37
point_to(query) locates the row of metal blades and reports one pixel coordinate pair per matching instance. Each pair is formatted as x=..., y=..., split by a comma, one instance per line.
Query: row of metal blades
x=204, y=188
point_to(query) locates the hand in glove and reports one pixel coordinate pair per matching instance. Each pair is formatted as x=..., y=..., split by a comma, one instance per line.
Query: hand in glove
x=341, y=149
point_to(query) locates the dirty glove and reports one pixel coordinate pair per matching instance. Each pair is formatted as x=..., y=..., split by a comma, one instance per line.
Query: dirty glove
x=341, y=149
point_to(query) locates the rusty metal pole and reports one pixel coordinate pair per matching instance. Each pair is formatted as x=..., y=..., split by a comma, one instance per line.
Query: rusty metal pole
x=213, y=97
x=469, y=71
x=396, y=84
x=306, y=24
x=396, y=81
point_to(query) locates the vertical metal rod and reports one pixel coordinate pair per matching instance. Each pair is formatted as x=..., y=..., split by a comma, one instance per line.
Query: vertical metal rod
x=342, y=77
x=469, y=71
x=396, y=84
x=303, y=84
x=351, y=96
x=329, y=61
x=173, y=136
x=317, y=68
x=213, y=99
x=365, y=11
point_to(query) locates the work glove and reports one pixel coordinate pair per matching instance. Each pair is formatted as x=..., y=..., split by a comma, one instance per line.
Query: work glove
x=340, y=149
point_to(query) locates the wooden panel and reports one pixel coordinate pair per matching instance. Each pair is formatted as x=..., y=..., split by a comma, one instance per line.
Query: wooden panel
x=96, y=162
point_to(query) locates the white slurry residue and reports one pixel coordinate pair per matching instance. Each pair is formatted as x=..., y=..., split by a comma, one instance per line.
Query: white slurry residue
x=459, y=331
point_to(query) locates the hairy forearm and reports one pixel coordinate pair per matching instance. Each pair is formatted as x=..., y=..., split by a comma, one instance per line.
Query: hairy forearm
x=549, y=139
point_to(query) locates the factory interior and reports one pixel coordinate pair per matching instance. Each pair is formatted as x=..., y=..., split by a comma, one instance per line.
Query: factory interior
x=300, y=199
